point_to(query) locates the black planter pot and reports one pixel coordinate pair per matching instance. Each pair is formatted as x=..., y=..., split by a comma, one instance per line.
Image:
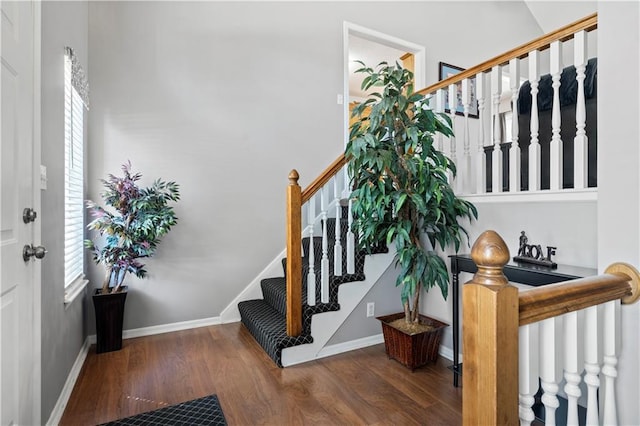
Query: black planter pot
x=109, y=317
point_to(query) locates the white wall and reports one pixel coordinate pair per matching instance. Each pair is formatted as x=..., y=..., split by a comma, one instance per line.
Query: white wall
x=63, y=24
x=226, y=98
x=618, y=175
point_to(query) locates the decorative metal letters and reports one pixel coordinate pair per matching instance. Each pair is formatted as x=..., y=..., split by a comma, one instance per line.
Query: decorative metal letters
x=533, y=253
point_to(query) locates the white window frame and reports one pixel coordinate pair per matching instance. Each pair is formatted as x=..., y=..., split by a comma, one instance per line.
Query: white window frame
x=74, y=279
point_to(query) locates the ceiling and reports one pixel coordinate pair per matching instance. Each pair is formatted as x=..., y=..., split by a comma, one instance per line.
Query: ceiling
x=553, y=15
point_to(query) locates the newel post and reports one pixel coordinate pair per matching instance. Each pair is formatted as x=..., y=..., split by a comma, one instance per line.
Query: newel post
x=294, y=255
x=490, y=338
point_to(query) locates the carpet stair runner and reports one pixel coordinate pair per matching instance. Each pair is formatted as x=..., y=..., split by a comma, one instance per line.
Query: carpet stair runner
x=266, y=318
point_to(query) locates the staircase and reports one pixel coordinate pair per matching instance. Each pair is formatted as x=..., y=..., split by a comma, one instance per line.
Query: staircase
x=266, y=318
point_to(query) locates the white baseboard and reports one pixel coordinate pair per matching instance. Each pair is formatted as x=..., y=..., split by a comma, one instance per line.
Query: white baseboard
x=446, y=352
x=164, y=328
x=350, y=345
x=65, y=394
x=343, y=347
x=365, y=342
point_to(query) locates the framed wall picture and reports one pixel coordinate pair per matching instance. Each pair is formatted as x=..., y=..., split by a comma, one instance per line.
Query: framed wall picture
x=446, y=71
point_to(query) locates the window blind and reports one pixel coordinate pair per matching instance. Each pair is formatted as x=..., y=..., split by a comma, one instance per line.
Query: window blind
x=73, y=179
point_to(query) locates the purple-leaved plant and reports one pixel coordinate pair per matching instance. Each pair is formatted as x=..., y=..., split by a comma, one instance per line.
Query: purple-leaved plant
x=133, y=230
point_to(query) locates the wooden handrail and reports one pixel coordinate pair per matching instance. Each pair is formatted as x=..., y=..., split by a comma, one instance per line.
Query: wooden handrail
x=557, y=299
x=494, y=310
x=588, y=23
x=323, y=178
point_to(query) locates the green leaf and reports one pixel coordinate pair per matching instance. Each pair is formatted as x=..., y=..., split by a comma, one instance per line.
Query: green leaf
x=400, y=182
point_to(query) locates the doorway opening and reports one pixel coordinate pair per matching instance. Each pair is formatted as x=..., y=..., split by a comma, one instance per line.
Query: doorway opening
x=373, y=47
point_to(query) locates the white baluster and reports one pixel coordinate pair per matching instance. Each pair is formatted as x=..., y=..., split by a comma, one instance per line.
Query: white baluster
x=351, y=242
x=324, y=262
x=514, y=152
x=555, y=162
x=464, y=166
x=481, y=159
x=528, y=371
x=534, y=147
x=439, y=108
x=572, y=365
x=337, y=247
x=609, y=371
x=496, y=162
x=311, y=274
x=591, y=363
x=549, y=347
x=453, y=104
x=580, y=142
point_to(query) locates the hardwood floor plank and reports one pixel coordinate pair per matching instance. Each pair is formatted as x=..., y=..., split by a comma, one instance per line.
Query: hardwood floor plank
x=361, y=387
x=434, y=388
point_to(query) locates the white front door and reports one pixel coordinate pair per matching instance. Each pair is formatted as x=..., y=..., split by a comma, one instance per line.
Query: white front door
x=19, y=279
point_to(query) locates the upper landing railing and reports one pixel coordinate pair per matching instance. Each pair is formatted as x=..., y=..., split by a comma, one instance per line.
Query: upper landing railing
x=515, y=340
x=523, y=167
x=537, y=151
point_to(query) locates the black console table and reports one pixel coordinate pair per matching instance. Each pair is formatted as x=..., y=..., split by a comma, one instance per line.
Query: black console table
x=523, y=273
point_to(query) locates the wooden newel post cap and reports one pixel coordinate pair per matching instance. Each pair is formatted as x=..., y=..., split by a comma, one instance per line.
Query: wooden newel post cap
x=633, y=276
x=490, y=253
x=293, y=177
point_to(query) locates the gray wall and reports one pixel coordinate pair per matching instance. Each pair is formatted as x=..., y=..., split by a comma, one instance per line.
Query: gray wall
x=227, y=98
x=63, y=24
x=386, y=297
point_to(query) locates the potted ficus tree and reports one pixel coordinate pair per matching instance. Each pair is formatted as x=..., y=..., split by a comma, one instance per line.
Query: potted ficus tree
x=401, y=192
x=129, y=230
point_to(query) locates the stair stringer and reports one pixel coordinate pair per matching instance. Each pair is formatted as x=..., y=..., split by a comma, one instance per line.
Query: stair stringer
x=252, y=290
x=350, y=294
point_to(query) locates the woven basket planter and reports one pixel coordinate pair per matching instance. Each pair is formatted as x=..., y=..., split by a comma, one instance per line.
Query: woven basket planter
x=415, y=350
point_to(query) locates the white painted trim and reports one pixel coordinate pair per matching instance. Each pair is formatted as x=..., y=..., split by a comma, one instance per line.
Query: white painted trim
x=390, y=41
x=164, y=328
x=567, y=195
x=419, y=55
x=350, y=345
x=65, y=394
x=364, y=342
x=446, y=352
x=167, y=328
x=37, y=205
x=253, y=290
x=73, y=290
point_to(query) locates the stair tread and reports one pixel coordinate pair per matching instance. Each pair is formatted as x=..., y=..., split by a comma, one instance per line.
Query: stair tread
x=274, y=292
x=269, y=328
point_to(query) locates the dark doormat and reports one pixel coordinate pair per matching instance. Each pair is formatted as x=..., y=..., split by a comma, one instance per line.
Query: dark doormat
x=198, y=412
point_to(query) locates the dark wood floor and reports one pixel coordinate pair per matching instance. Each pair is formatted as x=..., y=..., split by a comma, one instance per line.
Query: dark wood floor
x=358, y=387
